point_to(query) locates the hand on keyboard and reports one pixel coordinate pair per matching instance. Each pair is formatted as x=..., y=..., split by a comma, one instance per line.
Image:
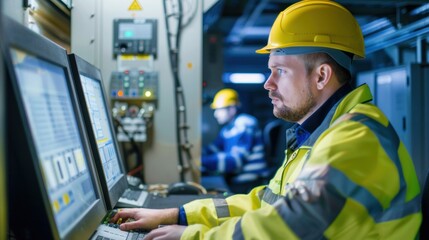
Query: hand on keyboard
x=168, y=232
x=143, y=218
x=109, y=230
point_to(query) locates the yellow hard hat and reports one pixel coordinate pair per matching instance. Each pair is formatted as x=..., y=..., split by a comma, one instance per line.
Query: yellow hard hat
x=316, y=23
x=225, y=98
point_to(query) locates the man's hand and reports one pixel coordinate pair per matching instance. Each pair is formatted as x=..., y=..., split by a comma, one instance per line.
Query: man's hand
x=144, y=218
x=172, y=232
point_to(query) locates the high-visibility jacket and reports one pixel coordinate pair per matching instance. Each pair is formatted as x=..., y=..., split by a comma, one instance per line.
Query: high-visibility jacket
x=238, y=150
x=352, y=179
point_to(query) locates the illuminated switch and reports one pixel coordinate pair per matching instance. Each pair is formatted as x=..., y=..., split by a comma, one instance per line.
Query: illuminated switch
x=66, y=199
x=56, y=206
x=148, y=94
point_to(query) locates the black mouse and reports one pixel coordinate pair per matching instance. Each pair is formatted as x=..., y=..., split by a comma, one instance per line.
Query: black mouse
x=182, y=188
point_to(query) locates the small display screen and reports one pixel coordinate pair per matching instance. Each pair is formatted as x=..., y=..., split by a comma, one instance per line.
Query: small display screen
x=135, y=31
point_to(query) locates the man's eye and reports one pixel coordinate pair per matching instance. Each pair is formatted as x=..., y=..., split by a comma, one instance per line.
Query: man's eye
x=280, y=71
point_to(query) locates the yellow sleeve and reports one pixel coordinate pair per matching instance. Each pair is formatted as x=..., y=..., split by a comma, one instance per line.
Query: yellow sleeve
x=213, y=212
x=195, y=231
x=259, y=224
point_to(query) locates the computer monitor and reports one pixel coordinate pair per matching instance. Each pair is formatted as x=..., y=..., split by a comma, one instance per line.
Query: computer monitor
x=96, y=112
x=55, y=193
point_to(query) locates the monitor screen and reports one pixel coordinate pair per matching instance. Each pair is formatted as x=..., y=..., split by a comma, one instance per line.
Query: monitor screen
x=53, y=188
x=100, y=123
x=54, y=129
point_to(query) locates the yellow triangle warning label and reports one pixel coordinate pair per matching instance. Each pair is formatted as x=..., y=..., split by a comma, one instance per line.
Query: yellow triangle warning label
x=135, y=6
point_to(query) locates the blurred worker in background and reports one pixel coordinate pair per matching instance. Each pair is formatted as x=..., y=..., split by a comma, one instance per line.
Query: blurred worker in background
x=237, y=153
x=346, y=175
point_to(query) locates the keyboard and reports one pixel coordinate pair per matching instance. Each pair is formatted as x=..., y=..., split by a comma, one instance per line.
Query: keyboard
x=132, y=198
x=107, y=231
x=132, y=194
x=110, y=231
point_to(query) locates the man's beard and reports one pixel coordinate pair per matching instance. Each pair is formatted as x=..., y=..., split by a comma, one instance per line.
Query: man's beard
x=294, y=115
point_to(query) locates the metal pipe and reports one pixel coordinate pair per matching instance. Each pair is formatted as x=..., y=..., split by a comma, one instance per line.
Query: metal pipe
x=421, y=48
x=417, y=29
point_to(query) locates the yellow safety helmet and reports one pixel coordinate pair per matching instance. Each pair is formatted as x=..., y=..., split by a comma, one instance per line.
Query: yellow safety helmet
x=316, y=23
x=225, y=98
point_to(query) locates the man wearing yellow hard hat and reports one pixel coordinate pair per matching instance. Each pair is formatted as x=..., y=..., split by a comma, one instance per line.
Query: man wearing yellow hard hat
x=346, y=174
x=237, y=153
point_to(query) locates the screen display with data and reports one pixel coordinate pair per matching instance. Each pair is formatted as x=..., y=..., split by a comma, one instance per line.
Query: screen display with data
x=135, y=31
x=97, y=109
x=58, y=142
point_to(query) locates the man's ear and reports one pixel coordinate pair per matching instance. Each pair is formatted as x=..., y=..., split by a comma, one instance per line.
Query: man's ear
x=324, y=74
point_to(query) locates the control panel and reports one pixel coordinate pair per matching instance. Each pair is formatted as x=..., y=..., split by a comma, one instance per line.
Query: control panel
x=135, y=36
x=134, y=96
x=137, y=84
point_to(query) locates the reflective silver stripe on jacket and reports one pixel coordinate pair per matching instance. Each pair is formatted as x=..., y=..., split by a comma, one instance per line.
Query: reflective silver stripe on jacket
x=221, y=207
x=270, y=197
x=389, y=140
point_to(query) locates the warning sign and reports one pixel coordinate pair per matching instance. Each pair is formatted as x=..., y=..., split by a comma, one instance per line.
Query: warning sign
x=135, y=6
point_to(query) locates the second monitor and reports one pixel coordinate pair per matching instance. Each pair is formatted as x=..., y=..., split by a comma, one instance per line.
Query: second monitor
x=98, y=122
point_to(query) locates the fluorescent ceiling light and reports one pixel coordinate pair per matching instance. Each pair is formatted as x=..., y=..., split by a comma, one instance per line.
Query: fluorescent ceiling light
x=247, y=78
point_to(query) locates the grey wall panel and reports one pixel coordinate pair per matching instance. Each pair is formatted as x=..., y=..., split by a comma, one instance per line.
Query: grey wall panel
x=419, y=138
x=14, y=9
x=85, y=36
x=392, y=98
x=425, y=127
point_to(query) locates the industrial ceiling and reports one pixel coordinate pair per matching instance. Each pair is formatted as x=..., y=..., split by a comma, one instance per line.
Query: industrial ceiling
x=245, y=24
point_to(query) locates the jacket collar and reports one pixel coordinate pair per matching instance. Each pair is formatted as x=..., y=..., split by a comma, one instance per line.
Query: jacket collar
x=338, y=104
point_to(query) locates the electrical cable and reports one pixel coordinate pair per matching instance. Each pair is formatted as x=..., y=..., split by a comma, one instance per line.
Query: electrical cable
x=183, y=145
x=134, y=148
x=193, y=14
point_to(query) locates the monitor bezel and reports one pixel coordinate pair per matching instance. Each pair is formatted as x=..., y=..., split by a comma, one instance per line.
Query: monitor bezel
x=79, y=66
x=17, y=36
